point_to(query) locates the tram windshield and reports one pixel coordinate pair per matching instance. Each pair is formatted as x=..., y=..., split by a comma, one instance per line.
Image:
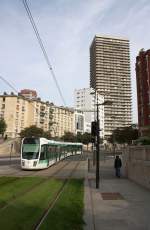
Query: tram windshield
x=30, y=148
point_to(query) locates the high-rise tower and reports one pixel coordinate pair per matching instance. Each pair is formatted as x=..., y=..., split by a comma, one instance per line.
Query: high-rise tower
x=143, y=90
x=110, y=75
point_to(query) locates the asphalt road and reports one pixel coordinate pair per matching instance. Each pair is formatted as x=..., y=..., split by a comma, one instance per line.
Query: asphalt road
x=16, y=160
x=8, y=161
x=60, y=170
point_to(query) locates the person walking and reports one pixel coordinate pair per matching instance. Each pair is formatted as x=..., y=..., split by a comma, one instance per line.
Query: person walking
x=117, y=165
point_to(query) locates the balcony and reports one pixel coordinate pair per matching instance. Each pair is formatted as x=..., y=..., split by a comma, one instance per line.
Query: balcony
x=41, y=121
x=42, y=108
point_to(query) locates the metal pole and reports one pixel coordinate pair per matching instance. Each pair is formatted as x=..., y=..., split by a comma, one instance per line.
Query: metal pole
x=11, y=152
x=97, y=148
x=94, y=154
x=114, y=144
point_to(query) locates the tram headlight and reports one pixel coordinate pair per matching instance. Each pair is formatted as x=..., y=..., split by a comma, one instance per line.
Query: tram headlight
x=23, y=163
x=34, y=163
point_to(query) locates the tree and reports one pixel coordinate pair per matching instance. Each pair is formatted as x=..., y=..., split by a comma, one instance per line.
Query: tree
x=79, y=137
x=68, y=136
x=47, y=135
x=86, y=139
x=124, y=135
x=32, y=131
x=145, y=140
x=3, y=126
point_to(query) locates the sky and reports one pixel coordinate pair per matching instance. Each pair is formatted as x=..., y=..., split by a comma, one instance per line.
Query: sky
x=67, y=28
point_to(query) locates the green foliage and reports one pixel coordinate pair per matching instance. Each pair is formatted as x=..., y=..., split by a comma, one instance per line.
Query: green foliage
x=32, y=131
x=145, y=140
x=3, y=126
x=27, y=208
x=30, y=203
x=79, y=137
x=124, y=135
x=86, y=138
x=13, y=186
x=47, y=134
x=68, y=136
x=68, y=210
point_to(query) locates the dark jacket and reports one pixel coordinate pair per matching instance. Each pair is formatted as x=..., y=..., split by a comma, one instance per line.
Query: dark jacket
x=117, y=163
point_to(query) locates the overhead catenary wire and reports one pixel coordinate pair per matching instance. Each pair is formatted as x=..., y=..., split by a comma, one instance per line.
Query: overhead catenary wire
x=23, y=97
x=13, y=88
x=18, y=94
x=42, y=48
x=9, y=84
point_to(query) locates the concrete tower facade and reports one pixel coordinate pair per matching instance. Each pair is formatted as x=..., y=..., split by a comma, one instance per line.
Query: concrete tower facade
x=110, y=75
x=85, y=101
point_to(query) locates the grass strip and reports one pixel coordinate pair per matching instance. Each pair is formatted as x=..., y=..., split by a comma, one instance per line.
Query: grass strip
x=6, y=180
x=9, y=191
x=27, y=210
x=68, y=210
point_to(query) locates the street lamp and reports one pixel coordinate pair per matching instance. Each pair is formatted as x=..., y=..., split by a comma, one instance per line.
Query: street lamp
x=97, y=135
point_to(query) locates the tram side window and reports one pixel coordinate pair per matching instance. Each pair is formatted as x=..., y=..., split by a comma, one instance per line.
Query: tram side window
x=51, y=151
x=43, y=152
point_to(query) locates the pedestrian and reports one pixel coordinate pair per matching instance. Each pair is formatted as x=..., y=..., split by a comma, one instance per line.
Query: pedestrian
x=117, y=165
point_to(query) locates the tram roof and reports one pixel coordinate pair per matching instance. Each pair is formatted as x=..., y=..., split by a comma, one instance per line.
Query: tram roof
x=62, y=143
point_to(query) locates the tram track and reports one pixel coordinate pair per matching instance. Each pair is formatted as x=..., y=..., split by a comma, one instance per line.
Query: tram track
x=13, y=199
x=55, y=199
x=57, y=170
x=8, y=182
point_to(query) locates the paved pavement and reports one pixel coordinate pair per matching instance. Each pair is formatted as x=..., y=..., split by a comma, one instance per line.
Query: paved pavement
x=118, y=204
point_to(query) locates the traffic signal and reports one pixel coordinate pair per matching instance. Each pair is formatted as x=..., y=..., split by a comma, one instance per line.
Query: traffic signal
x=93, y=128
x=93, y=139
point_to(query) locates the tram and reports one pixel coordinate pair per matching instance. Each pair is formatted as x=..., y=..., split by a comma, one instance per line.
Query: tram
x=40, y=153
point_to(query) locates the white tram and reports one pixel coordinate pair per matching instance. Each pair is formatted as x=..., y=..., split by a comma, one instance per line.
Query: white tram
x=40, y=153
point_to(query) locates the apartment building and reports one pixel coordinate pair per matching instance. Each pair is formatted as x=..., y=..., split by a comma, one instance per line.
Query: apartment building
x=26, y=109
x=143, y=90
x=20, y=112
x=86, y=102
x=63, y=120
x=110, y=75
x=28, y=93
x=15, y=112
x=40, y=112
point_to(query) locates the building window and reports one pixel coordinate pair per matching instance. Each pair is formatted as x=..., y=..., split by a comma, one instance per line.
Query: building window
x=17, y=107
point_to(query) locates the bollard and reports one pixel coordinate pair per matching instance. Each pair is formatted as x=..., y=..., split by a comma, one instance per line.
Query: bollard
x=11, y=152
x=88, y=164
x=94, y=157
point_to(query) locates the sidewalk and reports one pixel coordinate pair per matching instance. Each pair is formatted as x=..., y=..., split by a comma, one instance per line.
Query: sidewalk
x=118, y=204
